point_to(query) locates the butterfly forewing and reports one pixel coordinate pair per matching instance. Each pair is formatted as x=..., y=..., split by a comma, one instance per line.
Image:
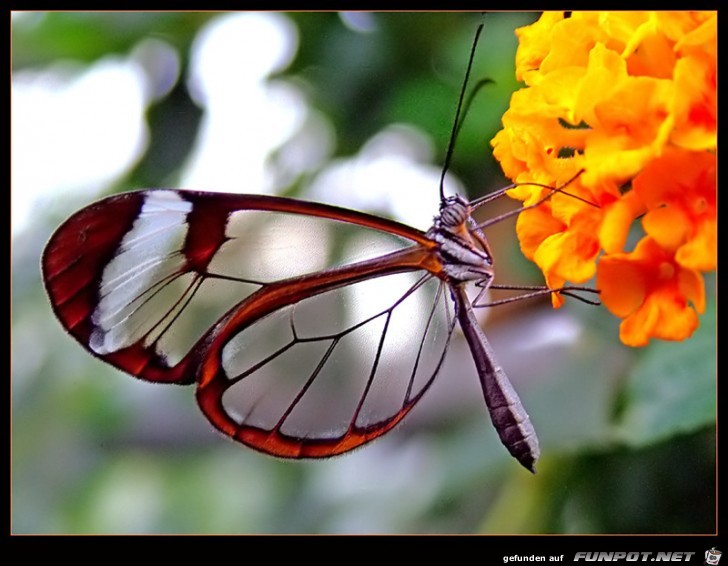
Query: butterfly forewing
x=139, y=278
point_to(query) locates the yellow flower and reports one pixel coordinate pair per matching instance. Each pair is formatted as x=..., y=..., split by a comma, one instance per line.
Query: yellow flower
x=629, y=99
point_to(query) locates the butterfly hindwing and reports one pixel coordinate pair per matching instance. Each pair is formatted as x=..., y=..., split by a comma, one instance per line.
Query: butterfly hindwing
x=332, y=371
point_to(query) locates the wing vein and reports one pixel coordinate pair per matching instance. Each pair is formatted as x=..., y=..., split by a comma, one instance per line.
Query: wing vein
x=430, y=318
x=306, y=385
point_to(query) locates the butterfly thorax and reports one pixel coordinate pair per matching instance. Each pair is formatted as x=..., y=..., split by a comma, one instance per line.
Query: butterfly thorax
x=462, y=246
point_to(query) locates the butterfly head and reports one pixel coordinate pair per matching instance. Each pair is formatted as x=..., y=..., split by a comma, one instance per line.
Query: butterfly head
x=454, y=212
x=462, y=247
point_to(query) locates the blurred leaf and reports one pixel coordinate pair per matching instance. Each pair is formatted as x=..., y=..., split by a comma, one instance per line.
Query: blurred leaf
x=40, y=38
x=520, y=507
x=665, y=488
x=615, y=491
x=672, y=389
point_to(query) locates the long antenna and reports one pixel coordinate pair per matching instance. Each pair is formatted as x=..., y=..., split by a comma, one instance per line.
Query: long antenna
x=516, y=211
x=456, y=122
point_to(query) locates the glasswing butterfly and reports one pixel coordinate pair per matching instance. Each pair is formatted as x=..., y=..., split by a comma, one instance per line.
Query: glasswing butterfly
x=308, y=329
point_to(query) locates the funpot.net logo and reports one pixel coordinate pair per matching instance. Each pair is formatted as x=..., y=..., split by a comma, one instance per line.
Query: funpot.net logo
x=634, y=556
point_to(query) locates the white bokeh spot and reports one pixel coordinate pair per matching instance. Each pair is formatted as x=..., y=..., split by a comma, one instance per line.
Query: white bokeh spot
x=74, y=129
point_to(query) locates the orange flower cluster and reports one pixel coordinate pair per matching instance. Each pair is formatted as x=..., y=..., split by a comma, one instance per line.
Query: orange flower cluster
x=629, y=98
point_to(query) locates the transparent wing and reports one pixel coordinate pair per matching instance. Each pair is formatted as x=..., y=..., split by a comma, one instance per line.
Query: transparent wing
x=327, y=373
x=140, y=279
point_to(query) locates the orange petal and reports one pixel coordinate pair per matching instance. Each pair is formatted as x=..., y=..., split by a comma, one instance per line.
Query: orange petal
x=701, y=252
x=617, y=221
x=692, y=286
x=635, y=330
x=622, y=285
x=668, y=225
x=677, y=320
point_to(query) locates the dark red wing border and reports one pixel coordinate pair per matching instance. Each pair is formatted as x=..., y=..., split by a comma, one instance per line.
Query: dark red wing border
x=76, y=254
x=276, y=443
x=73, y=263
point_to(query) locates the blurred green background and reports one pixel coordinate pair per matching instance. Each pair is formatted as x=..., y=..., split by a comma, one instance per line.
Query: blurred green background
x=628, y=436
